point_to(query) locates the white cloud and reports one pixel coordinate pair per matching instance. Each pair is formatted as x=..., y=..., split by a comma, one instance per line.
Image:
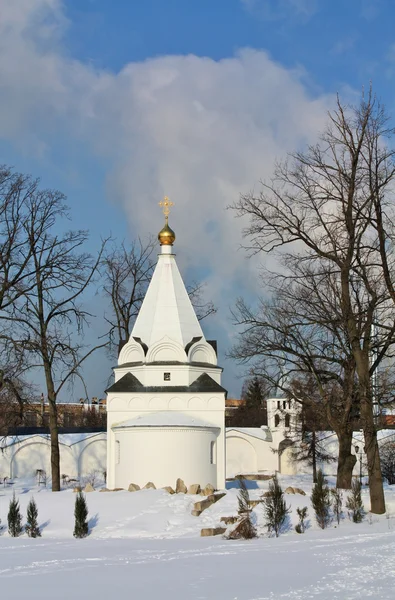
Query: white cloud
x=198, y=130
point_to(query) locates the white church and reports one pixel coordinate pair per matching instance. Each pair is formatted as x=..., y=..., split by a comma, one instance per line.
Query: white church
x=166, y=408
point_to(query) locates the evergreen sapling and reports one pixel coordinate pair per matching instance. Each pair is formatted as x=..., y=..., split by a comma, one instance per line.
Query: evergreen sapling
x=80, y=514
x=31, y=527
x=275, y=508
x=354, y=503
x=14, y=518
x=320, y=499
x=337, y=504
x=302, y=514
x=244, y=528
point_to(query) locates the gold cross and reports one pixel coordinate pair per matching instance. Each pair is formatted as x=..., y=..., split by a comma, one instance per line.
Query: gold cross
x=166, y=204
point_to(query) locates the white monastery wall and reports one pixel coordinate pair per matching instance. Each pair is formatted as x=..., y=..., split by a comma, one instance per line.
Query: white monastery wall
x=80, y=455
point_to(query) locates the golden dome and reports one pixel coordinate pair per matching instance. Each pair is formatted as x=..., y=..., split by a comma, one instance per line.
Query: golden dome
x=166, y=236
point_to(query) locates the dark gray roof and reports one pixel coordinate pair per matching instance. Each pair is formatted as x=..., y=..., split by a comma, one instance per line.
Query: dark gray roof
x=130, y=383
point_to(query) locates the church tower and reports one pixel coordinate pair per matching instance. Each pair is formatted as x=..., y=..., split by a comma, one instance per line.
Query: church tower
x=165, y=410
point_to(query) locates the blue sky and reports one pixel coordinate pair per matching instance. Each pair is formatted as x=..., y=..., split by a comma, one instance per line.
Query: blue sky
x=118, y=102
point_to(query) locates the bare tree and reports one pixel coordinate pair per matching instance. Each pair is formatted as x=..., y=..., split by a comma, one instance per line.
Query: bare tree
x=297, y=344
x=16, y=192
x=48, y=317
x=127, y=272
x=331, y=206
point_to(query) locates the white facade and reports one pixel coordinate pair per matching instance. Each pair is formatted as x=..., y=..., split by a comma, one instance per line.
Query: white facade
x=166, y=408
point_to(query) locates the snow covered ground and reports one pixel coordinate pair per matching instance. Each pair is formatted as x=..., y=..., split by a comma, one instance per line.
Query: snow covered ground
x=148, y=544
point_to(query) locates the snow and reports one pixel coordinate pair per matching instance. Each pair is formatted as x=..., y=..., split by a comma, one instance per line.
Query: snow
x=148, y=544
x=165, y=418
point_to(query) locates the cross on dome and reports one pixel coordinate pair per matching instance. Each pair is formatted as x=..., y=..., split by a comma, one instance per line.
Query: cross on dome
x=166, y=236
x=166, y=204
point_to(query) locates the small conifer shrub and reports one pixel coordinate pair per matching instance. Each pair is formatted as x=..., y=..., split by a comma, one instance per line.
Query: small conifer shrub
x=275, y=508
x=31, y=527
x=320, y=499
x=337, y=504
x=14, y=518
x=244, y=528
x=302, y=514
x=354, y=503
x=80, y=514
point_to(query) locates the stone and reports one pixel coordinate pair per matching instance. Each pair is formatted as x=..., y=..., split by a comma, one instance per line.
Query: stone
x=254, y=503
x=299, y=491
x=209, y=489
x=289, y=490
x=257, y=477
x=194, y=489
x=196, y=513
x=266, y=494
x=228, y=520
x=215, y=497
x=202, y=505
x=212, y=531
x=89, y=488
x=116, y=490
x=104, y=490
x=133, y=487
x=206, y=503
x=169, y=489
x=77, y=488
x=181, y=488
x=149, y=486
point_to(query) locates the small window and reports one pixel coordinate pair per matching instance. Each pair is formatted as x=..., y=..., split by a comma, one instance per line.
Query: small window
x=166, y=376
x=213, y=458
x=289, y=403
x=118, y=451
x=278, y=403
x=287, y=420
x=276, y=420
x=284, y=404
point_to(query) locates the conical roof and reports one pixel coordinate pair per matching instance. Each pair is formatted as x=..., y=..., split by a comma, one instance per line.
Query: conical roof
x=166, y=309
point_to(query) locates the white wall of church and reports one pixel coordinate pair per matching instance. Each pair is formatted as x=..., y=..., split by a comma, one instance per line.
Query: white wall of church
x=166, y=454
x=207, y=407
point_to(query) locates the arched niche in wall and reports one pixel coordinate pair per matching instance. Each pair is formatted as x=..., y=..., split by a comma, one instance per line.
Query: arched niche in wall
x=137, y=403
x=202, y=352
x=92, y=459
x=166, y=350
x=131, y=352
x=158, y=403
x=197, y=404
x=216, y=404
x=177, y=403
x=240, y=456
x=117, y=403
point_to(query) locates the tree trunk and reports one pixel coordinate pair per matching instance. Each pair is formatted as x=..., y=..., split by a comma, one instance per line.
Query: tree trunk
x=314, y=456
x=55, y=456
x=346, y=461
x=377, y=499
x=53, y=429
